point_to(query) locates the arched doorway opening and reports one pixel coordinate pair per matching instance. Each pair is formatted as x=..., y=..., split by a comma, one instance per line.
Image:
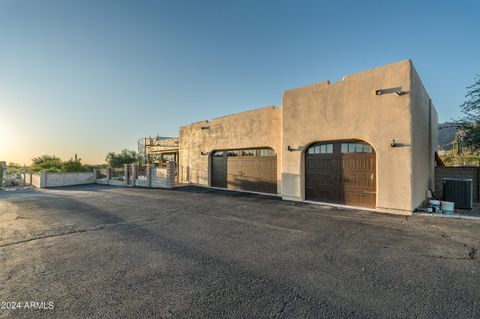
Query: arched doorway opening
x=341, y=172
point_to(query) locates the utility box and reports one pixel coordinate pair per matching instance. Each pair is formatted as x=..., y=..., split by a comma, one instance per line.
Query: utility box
x=459, y=191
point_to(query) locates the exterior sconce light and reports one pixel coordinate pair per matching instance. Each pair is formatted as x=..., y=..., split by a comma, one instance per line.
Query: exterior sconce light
x=291, y=149
x=397, y=91
x=204, y=153
x=393, y=143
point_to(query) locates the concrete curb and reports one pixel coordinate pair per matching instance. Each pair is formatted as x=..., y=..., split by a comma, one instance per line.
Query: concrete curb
x=454, y=216
x=17, y=188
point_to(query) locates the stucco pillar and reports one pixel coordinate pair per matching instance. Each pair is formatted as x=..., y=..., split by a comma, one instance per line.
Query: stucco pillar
x=170, y=176
x=3, y=168
x=43, y=179
x=125, y=173
x=149, y=174
x=134, y=173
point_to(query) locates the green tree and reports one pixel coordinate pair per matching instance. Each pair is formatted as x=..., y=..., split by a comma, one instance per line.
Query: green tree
x=469, y=124
x=49, y=163
x=119, y=159
x=73, y=166
x=13, y=167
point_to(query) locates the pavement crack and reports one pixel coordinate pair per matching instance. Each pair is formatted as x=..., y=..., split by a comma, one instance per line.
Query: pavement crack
x=472, y=253
x=90, y=229
x=21, y=217
x=446, y=257
x=284, y=305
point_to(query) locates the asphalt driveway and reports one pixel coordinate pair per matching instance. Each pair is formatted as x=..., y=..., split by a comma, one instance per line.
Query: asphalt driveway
x=105, y=252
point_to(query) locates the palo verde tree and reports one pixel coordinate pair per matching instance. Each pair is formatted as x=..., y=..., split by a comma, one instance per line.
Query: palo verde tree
x=53, y=164
x=48, y=163
x=124, y=157
x=469, y=124
x=73, y=166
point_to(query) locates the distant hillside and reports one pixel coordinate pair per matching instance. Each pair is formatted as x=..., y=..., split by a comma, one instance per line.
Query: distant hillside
x=446, y=135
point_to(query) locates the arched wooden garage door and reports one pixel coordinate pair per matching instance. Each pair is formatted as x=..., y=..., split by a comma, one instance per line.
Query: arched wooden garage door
x=341, y=172
x=248, y=169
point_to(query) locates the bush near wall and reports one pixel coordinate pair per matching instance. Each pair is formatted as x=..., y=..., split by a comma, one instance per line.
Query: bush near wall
x=455, y=158
x=53, y=164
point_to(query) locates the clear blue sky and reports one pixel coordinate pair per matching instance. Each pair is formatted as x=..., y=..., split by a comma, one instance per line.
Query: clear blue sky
x=90, y=77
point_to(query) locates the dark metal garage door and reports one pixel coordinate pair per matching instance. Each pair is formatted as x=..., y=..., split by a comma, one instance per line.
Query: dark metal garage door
x=248, y=169
x=341, y=172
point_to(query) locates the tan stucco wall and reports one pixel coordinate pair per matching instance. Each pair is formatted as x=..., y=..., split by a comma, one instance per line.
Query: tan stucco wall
x=348, y=109
x=256, y=128
x=424, y=139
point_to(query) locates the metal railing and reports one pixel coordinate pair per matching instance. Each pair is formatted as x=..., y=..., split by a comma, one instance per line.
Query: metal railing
x=118, y=174
x=141, y=170
x=102, y=173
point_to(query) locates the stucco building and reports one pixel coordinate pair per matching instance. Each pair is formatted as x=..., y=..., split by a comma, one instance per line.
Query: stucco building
x=367, y=141
x=158, y=150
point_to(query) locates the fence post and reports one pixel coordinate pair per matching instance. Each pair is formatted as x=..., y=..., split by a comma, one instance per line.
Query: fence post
x=109, y=174
x=149, y=175
x=43, y=179
x=3, y=170
x=478, y=183
x=134, y=173
x=170, y=176
x=25, y=178
x=125, y=173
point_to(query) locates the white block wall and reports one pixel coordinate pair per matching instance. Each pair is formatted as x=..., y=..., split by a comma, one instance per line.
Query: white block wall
x=102, y=181
x=114, y=182
x=27, y=178
x=159, y=178
x=163, y=177
x=36, y=180
x=67, y=179
x=142, y=182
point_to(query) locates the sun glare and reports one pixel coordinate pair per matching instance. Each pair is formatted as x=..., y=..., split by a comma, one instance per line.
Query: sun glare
x=5, y=140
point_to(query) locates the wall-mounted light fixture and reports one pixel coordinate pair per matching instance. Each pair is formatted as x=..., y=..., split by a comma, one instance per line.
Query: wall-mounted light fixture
x=204, y=153
x=393, y=143
x=397, y=91
x=291, y=149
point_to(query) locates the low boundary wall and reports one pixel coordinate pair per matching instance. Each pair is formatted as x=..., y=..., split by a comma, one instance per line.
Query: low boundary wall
x=113, y=182
x=155, y=177
x=46, y=179
x=152, y=177
x=35, y=180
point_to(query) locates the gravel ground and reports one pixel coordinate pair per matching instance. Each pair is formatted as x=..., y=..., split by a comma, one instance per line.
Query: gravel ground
x=105, y=252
